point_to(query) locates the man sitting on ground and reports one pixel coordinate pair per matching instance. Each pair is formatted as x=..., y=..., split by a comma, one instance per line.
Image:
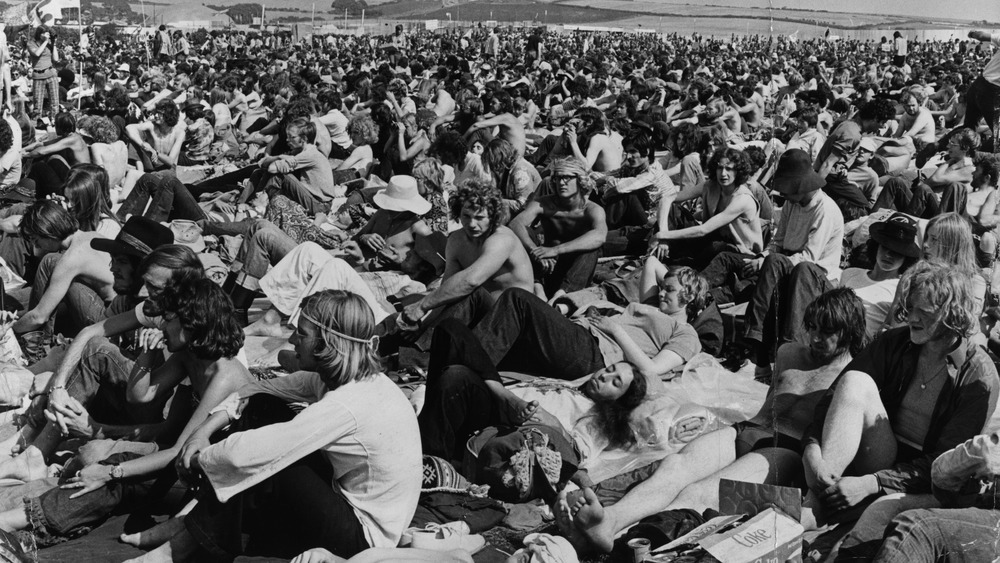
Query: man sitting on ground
x=70, y=272
x=573, y=227
x=484, y=256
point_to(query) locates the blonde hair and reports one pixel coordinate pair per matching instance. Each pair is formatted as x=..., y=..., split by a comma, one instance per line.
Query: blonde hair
x=955, y=245
x=572, y=166
x=943, y=289
x=347, y=330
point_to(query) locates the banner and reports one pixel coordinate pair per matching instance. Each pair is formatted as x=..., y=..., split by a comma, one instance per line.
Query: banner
x=448, y=3
x=47, y=12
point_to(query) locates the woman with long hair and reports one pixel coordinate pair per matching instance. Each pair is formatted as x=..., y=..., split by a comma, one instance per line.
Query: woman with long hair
x=343, y=474
x=88, y=197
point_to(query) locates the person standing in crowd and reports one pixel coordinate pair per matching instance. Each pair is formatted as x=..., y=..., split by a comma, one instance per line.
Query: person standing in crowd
x=44, y=55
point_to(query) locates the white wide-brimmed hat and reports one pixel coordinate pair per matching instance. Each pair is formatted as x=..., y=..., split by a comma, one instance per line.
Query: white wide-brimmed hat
x=402, y=195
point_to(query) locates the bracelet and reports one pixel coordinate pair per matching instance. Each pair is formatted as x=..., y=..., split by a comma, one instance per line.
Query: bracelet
x=54, y=387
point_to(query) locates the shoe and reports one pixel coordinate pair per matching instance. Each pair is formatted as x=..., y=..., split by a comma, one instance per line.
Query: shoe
x=445, y=530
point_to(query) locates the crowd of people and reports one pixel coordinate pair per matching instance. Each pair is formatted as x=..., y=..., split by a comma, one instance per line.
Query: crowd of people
x=578, y=207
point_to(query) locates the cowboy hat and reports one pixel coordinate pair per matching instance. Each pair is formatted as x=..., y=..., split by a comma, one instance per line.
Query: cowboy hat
x=898, y=233
x=138, y=237
x=795, y=175
x=402, y=195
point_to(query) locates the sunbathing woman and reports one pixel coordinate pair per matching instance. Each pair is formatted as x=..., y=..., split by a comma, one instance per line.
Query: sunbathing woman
x=344, y=474
x=759, y=450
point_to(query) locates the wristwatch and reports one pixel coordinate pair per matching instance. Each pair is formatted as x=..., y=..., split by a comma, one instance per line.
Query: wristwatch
x=117, y=473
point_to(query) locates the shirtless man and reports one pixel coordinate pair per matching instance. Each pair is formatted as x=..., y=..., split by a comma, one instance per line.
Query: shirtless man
x=108, y=150
x=67, y=137
x=759, y=450
x=917, y=121
x=80, y=275
x=511, y=130
x=574, y=230
x=604, y=154
x=483, y=254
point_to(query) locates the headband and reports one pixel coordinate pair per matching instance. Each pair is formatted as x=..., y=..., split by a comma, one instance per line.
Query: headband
x=371, y=342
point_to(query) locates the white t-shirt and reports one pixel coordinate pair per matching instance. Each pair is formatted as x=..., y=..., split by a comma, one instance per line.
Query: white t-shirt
x=336, y=123
x=876, y=296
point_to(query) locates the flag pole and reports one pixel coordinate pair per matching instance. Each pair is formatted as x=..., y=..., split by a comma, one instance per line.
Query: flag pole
x=79, y=21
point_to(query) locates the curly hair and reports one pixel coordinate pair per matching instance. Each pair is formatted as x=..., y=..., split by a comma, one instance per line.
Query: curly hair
x=99, y=128
x=47, y=220
x=943, y=289
x=362, y=130
x=206, y=314
x=170, y=112
x=479, y=194
x=614, y=417
x=336, y=314
x=739, y=160
x=839, y=311
x=694, y=289
x=879, y=109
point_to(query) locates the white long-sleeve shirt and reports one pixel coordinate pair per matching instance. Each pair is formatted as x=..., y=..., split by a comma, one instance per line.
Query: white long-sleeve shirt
x=367, y=429
x=814, y=233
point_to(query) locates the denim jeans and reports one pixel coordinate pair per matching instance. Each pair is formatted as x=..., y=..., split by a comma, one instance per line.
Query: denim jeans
x=294, y=510
x=99, y=382
x=170, y=199
x=458, y=403
x=864, y=539
x=523, y=333
x=781, y=296
x=939, y=534
x=81, y=306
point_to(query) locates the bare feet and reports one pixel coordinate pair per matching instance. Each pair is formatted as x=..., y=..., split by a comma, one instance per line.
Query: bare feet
x=27, y=466
x=155, y=536
x=267, y=325
x=181, y=547
x=583, y=521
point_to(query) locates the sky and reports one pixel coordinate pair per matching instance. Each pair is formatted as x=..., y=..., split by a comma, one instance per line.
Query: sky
x=957, y=9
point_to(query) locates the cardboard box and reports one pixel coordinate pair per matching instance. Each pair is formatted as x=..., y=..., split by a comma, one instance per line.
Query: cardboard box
x=769, y=537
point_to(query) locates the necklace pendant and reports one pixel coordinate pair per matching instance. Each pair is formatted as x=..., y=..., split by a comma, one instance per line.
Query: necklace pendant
x=923, y=386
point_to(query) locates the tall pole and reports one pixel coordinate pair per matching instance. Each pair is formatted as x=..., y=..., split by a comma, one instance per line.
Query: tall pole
x=312, y=24
x=362, y=21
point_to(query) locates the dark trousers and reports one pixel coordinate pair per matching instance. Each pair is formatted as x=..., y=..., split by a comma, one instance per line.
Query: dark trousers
x=624, y=210
x=572, y=272
x=717, y=272
x=288, y=513
x=783, y=292
x=522, y=333
x=458, y=400
x=917, y=200
x=983, y=102
x=168, y=199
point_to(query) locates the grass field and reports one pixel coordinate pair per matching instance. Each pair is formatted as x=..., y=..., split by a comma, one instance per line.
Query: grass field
x=527, y=11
